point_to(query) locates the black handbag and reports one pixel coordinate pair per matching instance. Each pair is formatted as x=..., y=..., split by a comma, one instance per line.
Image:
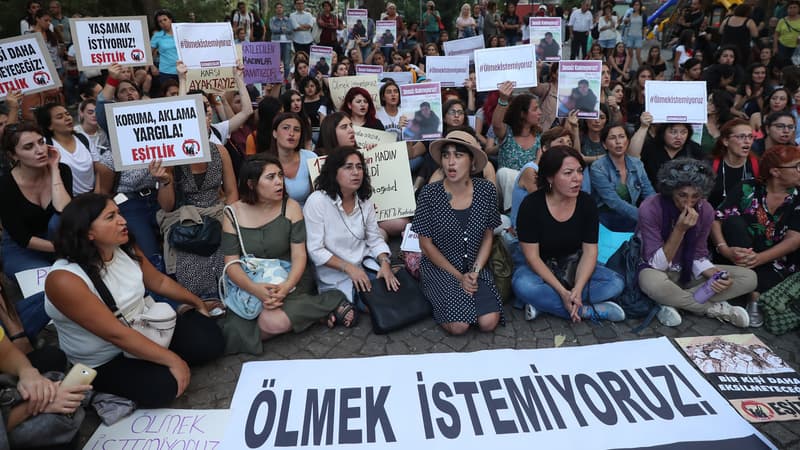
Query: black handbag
x=391, y=311
x=565, y=268
x=200, y=239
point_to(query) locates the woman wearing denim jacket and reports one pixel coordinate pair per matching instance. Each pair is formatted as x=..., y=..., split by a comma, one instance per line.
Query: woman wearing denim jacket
x=619, y=182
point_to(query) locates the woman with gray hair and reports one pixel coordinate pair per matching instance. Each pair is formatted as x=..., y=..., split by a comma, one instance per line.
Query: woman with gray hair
x=674, y=227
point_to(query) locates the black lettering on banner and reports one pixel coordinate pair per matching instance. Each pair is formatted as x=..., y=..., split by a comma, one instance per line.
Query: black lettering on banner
x=283, y=437
x=550, y=403
x=525, y=405
x=687, y=410
x=256, y=438
x=609, y=416
x=426, y=410
x=616, y=387
x=376, y=412
x=469, y=389
x=494, y=404
x=568, y=394
x=662, y=410
x=454, y=429
x=346, y=412
x=318, y=418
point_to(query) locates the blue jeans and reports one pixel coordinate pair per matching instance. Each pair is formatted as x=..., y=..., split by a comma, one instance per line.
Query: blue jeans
x=529, y=288
x=286, y=57
x=140, y=212
x=617, y=222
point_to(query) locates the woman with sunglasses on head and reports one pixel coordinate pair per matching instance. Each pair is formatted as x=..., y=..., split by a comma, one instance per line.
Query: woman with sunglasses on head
x=758, y=225
x=733, y=162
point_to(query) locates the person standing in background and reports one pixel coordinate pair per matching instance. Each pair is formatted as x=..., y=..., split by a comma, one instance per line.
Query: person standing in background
x=243, y=19
x=280, y=28
x=302, y=23
x=580, y=23
x=491, y=23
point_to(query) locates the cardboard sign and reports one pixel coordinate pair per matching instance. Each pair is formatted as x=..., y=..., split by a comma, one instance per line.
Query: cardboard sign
x=204, y=45
x=410, y=241
x=579, y=88
x=546, y=36
x=623, y=395
x=320, y=59
x=262, y=62
x=755, y=380
x=171, y=129
x=676, y=101
x=340, y=85
x=102, y=41
x=163, y=429
x=464, y=46
x=385, y=32
x=450, y=71
x=26, y=66
x=367, y=69
x=497, y=65
x=357, y=23
x=31, y=281
x=401, y=78
x=422, y=104
x=368, y=136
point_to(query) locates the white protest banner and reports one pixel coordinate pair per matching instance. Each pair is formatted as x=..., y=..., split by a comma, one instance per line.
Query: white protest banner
x=163, y=429
x=102, y=41
x=357, y=21
x=31, y=281
x=632, y=394
x=546, y=36
x=203, y=45
x=26, y=65
x=390, y=176
x=450, y=71
x=421, y=103
x=385, y=32
x=754, y=379
x=464, y=46
x=410, y=241
x=368, y=136
x=401, y=78
x=320, y=59
x=340, y=85
x=497, y=65
x=367, y=69
x=676, y=101
x=579, y=88
x=172, y=129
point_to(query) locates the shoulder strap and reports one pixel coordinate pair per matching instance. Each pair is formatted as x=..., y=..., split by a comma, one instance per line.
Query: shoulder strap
x=84, y=140
x=283, y=206
x=753, y=164
x=102, y=289
x=715, y=165
x=232, y=214
x=216, y=132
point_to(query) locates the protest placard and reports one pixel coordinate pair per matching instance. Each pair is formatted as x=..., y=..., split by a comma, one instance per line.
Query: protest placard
x=26, y=65
x=546, y=36
x=464, y=46
x=401, y=78
x=172, y=129
x=340, y=85
x=320, y=59
x=31, y=281
x=102, y=41
x=204, y=45
x=262, y=62
x=367, y=136
x=410, y=242
x=450, y=71
x=676, y=101
x=163, y=429
x=497, y=65
x=421, y=103
x=357, y=22
x=367, y=69
x=213, y=79
x=622, y=395
x=754, y=379
x=390, y=176
x=385, y=32
x=579, y=88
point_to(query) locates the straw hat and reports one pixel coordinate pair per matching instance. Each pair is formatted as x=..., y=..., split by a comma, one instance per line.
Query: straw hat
x=465, y=139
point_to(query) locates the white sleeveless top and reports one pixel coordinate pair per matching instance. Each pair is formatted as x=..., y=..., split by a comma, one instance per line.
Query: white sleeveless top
x=123, y=277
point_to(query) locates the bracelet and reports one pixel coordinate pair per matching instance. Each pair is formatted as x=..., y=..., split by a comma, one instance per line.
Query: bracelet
x=165, y=184
x=476, y=268
x=19, y=335
x=111, y=81
x=501, y=102
x=721, y=244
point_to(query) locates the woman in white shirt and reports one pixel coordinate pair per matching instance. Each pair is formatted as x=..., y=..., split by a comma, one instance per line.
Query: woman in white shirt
x=88, y=126
x=76, y=152
x=607, y=26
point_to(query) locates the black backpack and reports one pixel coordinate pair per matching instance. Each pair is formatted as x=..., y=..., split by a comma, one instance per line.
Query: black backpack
x=237, y=157
x=635, y=303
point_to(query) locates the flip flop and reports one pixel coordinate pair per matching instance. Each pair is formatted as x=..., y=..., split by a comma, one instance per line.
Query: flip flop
x=340, y=314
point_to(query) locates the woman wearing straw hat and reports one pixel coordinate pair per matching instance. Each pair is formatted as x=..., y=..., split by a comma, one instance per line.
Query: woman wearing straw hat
x=454, y=219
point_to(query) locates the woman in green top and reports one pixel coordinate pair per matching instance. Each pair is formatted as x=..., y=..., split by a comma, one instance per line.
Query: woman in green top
x=787, y=32
x=272, y=226
x=430, y=22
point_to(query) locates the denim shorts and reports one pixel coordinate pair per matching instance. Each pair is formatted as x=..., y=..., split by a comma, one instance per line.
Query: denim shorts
x=607, y=43
x=633, y=41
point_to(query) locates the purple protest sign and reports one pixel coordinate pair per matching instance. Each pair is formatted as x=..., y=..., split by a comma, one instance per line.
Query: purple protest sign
x=262, y=62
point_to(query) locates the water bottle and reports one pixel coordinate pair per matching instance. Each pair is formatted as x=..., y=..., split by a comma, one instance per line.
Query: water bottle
x=705, y=292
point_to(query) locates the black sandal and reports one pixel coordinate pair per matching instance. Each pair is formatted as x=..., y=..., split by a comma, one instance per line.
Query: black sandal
x=340, y=314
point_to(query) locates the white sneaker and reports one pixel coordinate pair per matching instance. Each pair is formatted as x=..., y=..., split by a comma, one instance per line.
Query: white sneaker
x=669, y=316
x=530, y=312
x=723, y=311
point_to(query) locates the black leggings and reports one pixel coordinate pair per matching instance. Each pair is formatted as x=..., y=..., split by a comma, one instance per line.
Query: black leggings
x=197, y=340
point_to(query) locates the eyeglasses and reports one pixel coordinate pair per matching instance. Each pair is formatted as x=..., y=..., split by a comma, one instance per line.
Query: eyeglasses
x=783, y=126
x=743, y=137
x=455, y=112
x=796, y=167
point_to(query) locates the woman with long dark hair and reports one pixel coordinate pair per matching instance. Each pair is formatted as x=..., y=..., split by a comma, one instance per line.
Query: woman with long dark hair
x=56, y=123
x=261, y=139
x=359, y=107
x=287, y=146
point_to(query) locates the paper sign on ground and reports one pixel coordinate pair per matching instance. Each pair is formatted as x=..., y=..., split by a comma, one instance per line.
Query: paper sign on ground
x=546, y=36
x=450, y=71
x=676, y=101
x=31, y=281
x=26, y=66
x=368, y=136
x=262, y=62
x=171, y=129
x=497, y=65
x=421, y=103
x=579, y=88
x=366, y=69
x=463, y=46
x=410, y=241
x=633, y=394
x=203, y=45
x=163, y=429
x=357, y=23
x=340, y=85
x=757, y=382
x=385, y=32
x=320, y=59
x=102, y=41
x=390, y=176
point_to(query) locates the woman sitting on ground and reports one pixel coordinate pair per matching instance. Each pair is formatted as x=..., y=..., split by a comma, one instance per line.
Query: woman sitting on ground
x=94, y=245
x=555, y=224
x=758, y=224
x=335, y=131
x=455, y=219
x=733, y=161
x=674, y=227
x=271, y=226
